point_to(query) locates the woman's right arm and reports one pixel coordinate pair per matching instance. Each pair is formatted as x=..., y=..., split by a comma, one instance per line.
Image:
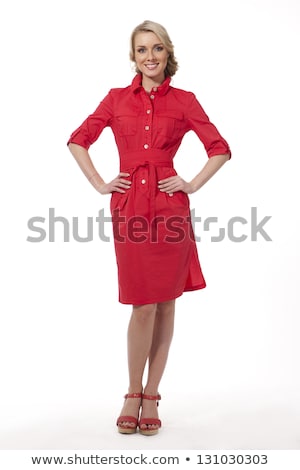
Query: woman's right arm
x=85, y=163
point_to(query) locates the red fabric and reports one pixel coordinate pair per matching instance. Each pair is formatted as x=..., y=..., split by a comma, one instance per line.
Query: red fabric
x=155, y=249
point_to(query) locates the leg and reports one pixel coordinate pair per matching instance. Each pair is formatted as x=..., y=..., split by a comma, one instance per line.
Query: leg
x=162, y=337
x=140, y=333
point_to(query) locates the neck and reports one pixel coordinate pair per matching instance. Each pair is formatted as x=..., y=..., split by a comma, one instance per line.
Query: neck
x=148, y=83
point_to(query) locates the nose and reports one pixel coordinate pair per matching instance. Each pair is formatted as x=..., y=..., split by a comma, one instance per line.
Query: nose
x=151, y=56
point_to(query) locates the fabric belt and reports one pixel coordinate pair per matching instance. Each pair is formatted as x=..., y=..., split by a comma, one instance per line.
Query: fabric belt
x=134, y=165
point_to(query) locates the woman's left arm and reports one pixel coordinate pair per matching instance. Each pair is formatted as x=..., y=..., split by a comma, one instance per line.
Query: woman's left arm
x=176, y=183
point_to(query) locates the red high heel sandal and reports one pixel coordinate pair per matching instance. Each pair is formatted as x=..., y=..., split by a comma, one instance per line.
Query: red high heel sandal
x=150, y=421
x=132, y=422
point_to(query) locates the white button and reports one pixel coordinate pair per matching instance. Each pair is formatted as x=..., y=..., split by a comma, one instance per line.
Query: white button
x=143, y=181
x=148, y=111
x=152, y=97
x=147, y=128
x=155, y=88
x=146, y=146
x=171, y=194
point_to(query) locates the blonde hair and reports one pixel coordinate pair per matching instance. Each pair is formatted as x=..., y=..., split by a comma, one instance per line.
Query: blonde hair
x=162, y=34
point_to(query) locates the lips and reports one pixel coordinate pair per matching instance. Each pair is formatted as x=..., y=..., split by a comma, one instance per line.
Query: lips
x=151, y=66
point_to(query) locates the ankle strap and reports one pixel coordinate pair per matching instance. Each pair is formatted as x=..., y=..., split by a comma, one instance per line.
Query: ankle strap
x=133, y=395
x=151, y=397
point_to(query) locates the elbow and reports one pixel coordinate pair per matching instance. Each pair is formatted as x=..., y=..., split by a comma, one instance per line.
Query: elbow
x=222, y=157
x=75, y=147
x=71, y=147
x=225, y=156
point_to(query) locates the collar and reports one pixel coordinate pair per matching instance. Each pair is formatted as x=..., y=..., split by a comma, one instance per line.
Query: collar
x=162, y=89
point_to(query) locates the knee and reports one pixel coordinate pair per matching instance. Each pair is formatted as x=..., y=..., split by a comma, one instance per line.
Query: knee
x=166, y=308
x=145, y=312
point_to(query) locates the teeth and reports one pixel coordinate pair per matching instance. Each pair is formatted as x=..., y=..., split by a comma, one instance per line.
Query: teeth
x=152, y=66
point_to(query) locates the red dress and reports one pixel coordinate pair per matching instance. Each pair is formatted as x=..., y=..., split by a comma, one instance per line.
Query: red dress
x=155, y=248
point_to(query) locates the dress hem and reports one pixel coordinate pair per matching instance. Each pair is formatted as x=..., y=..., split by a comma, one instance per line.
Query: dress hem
x=155, y=301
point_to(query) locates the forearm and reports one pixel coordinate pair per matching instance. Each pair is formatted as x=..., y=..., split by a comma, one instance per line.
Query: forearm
x=209, y=169
x=85, y=163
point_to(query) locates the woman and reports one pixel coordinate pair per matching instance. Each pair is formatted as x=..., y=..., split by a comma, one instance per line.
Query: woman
x=155, y=248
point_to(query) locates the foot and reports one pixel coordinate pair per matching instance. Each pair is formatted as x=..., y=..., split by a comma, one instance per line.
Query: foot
x=149, y=420
x=128, y=419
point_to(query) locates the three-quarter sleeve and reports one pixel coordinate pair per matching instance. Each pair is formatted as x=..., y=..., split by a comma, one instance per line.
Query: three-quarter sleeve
x=89, y=131
x=207, y=132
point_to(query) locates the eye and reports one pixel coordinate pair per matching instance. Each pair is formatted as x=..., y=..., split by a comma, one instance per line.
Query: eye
x=159, y=48
x=141, y=50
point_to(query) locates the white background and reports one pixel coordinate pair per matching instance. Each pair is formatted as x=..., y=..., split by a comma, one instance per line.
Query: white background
x=232, y=380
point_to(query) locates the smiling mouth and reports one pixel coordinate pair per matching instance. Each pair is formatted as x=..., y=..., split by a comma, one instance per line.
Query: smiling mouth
x=151, y=66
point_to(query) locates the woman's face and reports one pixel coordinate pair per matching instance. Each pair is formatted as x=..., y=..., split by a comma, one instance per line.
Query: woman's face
x=150, y=55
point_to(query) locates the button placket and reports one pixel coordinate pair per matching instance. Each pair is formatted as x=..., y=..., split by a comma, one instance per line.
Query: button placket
x=143, y=180
x=148, y=121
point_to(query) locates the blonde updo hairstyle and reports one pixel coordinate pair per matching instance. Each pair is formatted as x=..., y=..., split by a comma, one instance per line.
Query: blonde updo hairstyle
x=162, y=34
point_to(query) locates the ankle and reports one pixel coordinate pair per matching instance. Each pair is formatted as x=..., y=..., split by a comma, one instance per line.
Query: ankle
x=150, y=391
x=135, y=389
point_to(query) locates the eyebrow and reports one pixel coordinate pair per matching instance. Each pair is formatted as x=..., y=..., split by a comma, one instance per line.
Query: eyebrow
x=154, y=45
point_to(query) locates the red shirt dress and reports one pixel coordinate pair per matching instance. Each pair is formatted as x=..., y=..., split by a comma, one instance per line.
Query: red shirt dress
x=156, y=252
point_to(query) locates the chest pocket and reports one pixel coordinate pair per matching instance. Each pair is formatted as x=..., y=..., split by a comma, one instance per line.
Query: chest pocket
x=126, y=125
x=170, y=123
